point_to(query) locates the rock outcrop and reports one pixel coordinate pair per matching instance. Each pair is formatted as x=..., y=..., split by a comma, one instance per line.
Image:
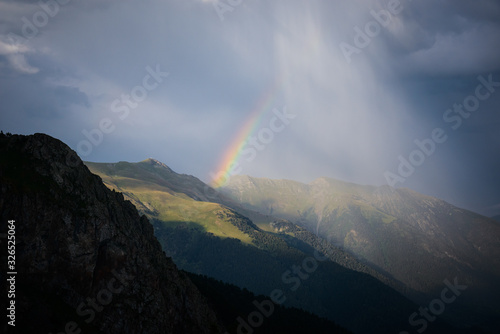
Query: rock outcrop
x=85, y=260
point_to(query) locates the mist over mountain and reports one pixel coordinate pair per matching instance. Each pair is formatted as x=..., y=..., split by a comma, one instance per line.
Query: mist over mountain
x=181, y=80
x=419, y=240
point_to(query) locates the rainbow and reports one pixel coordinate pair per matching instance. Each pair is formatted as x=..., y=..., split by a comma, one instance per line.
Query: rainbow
x=233, y=152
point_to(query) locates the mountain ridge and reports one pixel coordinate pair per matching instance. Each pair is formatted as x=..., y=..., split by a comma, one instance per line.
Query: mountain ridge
x=88, y=262
x=76, y=240
x=270, y=222
x=397, y=230
x=194, y=248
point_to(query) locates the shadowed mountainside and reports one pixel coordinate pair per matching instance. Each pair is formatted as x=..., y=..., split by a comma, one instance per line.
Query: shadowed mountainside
x=84, y=257
x=87, y=262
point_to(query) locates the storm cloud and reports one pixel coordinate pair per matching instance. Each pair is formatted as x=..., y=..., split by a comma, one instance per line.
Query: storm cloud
x=63, y=63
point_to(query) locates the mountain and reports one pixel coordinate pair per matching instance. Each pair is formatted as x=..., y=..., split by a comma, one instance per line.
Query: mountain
x=496, y=218
x=419, y=240
x=138, y=180
x=174, y=198
x=164, y=195
x=206, y=233
x=235, y=307
x=85, y=259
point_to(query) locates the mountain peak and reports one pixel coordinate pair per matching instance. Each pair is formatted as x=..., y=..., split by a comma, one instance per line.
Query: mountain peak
x=156, y=163
x=87, y=237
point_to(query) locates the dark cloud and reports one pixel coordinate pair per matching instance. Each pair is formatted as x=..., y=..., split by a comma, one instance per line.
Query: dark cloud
x=353, y=120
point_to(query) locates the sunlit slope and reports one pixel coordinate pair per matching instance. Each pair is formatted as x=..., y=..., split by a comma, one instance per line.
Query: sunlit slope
x=150, y=189
x=148, y=184
x=215, y=240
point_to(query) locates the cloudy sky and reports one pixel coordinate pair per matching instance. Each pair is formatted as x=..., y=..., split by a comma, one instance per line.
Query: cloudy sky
x=356, y=84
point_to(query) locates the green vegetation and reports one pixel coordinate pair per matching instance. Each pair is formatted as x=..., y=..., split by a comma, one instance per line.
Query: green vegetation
x=154, y=198
x=390, y=229
x=231, y=303
x=415, y=239
x=214, y=240
x=354, y=300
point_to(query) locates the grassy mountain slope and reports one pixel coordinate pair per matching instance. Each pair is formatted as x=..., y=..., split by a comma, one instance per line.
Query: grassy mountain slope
x=151, y=187
x=354, y=300
x=201, y=238
x=418, y=239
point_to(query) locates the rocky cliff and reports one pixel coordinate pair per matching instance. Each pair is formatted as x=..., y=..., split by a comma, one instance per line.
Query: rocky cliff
x=85, y=260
